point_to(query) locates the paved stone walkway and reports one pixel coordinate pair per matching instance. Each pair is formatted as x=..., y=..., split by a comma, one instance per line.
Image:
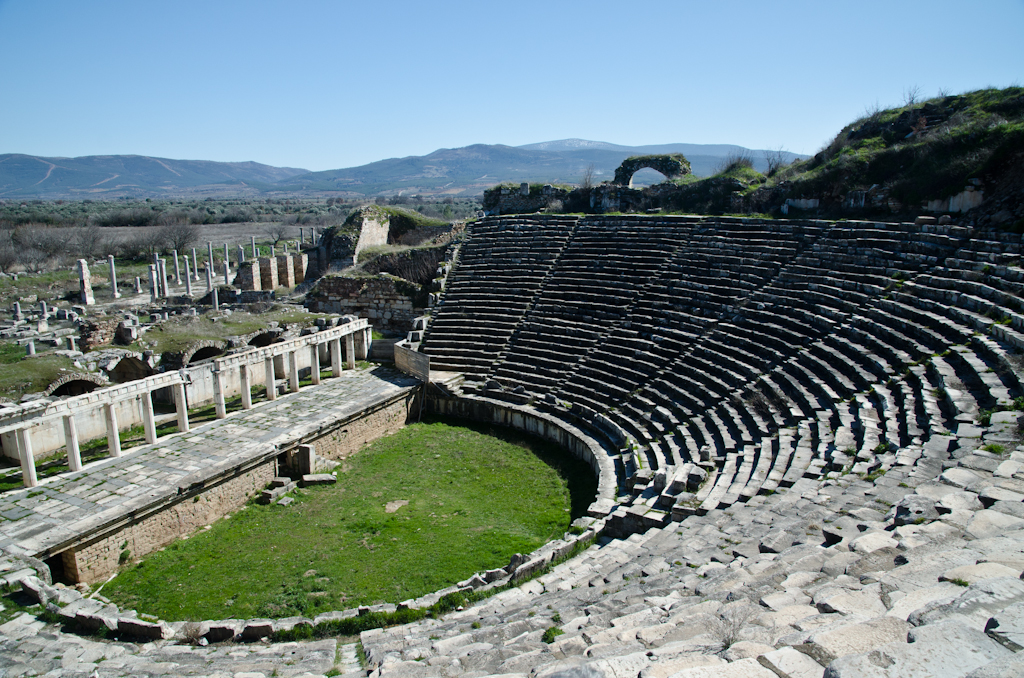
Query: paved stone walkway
x=74, y=503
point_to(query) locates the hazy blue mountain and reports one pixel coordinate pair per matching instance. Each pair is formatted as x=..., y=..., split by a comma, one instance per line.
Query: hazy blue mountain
x=467, y=170
x=101, y=176
x=471, y=169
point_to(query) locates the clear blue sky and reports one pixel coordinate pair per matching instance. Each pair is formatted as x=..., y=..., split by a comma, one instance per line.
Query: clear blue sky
x=322, y=85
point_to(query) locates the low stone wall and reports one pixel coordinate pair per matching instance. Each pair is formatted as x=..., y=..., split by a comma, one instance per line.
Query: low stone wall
x=348, y=437
x=184, y=509
x=577, y=441
x=186, y=513
x=386, y=301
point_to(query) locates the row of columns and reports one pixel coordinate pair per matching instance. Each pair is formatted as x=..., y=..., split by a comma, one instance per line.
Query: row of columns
x=158, y=270
x=356, y=348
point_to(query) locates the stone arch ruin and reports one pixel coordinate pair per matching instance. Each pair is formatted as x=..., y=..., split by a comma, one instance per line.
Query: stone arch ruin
x=193, y=353
x=130, y=368
x=209, y=349
x=75, y=383
x=261, y=339
x=672, y=165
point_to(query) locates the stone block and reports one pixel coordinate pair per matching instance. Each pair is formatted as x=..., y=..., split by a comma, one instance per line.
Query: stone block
x=914, y=509
x=137, y=628
x=1005, y=667
x=864, y=603
x=988, y=523
x=89, y=621
x=223, y=630
x=872, y=541
x=975, y=573
x=744, y=668
x=789, y=662
x=856, y=638
x=318, y=479
x=975, y=605
x=946, y=650
x=36, y=589
x=255, y=629
x=1007, y=627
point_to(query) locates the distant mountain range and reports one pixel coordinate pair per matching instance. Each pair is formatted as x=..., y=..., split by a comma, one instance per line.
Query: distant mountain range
x=451, y=171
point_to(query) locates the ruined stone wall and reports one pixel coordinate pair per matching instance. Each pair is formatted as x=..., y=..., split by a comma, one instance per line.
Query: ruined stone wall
x=98, y=560
x=300, y=262
x=375, y=228
x=386, y=301
x=419, y=266
x=285, y=270
x=347, y=439
x=248, y=277
x=523, y=200
x=95, y=333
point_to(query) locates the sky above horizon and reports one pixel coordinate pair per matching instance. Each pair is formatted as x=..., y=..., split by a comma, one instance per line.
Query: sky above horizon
x=325, y=85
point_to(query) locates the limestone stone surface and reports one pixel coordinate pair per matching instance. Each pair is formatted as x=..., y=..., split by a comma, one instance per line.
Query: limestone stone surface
x=945, y=650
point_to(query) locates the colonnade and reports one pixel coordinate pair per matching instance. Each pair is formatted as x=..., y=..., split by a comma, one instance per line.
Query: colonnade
x=357, y=336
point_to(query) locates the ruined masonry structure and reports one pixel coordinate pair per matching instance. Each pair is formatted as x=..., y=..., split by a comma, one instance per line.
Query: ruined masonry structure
x=285, y=272
x=268, y=274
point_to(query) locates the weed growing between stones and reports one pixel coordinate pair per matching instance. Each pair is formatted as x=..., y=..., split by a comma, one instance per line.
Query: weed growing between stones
x=551, y=633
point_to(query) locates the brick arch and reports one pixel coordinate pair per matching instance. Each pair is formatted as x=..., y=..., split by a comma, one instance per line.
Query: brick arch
x=672, y=165
x=90, y=382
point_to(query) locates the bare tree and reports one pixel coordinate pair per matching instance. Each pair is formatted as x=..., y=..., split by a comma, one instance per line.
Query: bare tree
x=144, y=243
x=588, y=177
x=33, y=260
x=872, y=111
x=89, y=242
x=8, y=253
x=911, y=95
x=179, y=236
x=47, y=241
x=775, y=158
x=279, y=232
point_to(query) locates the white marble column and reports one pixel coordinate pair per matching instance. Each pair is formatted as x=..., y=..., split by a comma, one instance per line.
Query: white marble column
x=71, y=441
x=271, y=378
x=110, y=414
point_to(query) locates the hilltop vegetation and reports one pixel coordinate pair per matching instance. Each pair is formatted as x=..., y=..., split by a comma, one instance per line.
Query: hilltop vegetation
x=920, y=151
x=886, y=164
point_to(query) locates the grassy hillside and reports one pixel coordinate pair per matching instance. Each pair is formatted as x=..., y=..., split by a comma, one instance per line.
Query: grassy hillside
x=900, y=158
x=922, y=151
